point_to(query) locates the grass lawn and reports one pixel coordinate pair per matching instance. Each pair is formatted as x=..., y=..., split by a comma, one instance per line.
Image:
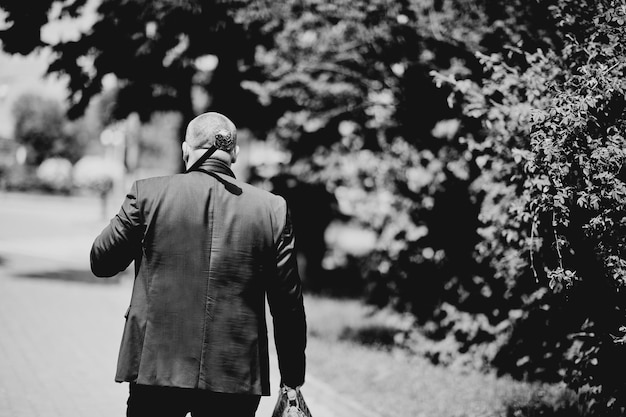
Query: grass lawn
x=395, y=383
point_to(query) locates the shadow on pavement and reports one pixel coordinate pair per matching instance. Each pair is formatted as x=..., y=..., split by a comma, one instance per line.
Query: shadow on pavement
x=375, y=335
x=72, y=275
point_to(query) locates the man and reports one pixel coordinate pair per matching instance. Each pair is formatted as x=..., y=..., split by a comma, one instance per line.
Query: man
x=207, y=249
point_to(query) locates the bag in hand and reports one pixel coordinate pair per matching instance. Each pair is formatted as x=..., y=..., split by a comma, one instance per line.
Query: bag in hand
x=290, y=404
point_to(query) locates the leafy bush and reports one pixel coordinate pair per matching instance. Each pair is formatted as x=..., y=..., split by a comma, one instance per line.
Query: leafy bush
x=554, y=148
x=96, y=174
x=500, y=218
x=22, y=178
x=363, y=119
x=349, y=81
x=56, y=174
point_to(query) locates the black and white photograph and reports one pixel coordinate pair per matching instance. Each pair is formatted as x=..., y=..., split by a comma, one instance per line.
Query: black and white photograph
x=313, y=208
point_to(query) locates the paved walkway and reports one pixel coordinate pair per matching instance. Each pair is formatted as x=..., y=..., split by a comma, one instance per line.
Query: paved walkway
x=60, y=327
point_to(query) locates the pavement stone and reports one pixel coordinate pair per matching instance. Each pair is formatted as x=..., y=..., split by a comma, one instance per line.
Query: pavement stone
x=60, y=327
x=59, y=342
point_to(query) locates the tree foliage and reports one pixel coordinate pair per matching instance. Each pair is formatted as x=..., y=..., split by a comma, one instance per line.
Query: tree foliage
x=554, y=130
x=499, y=207
x=152, y=49
x=362, y=116
x=41, y=126
x=357, y=103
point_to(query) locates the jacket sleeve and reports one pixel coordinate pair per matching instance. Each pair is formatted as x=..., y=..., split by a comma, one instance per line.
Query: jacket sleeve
x=116, y=246
x=286, y=306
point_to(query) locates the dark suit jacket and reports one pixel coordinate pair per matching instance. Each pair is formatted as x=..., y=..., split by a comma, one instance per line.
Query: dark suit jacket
x=207, y=249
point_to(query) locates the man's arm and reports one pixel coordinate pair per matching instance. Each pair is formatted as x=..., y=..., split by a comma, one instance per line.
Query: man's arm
x=286, y=305
x=115, y=248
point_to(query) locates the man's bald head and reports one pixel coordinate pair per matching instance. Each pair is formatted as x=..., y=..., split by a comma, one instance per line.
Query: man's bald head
x=207, y=130
x=210, y=129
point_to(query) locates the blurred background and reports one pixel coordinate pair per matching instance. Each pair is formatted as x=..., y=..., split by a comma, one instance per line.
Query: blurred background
x=454, y=170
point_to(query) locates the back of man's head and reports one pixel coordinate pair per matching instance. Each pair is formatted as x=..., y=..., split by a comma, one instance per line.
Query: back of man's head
x=210, y=129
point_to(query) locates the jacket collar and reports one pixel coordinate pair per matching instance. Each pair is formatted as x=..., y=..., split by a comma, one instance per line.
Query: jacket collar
x=217, y=166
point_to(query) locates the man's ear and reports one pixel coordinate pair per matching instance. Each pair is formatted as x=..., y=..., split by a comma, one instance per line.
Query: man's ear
x=234, y=154
x=185, y=148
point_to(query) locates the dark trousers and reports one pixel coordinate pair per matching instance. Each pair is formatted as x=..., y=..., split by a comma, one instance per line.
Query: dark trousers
x=151, y=401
